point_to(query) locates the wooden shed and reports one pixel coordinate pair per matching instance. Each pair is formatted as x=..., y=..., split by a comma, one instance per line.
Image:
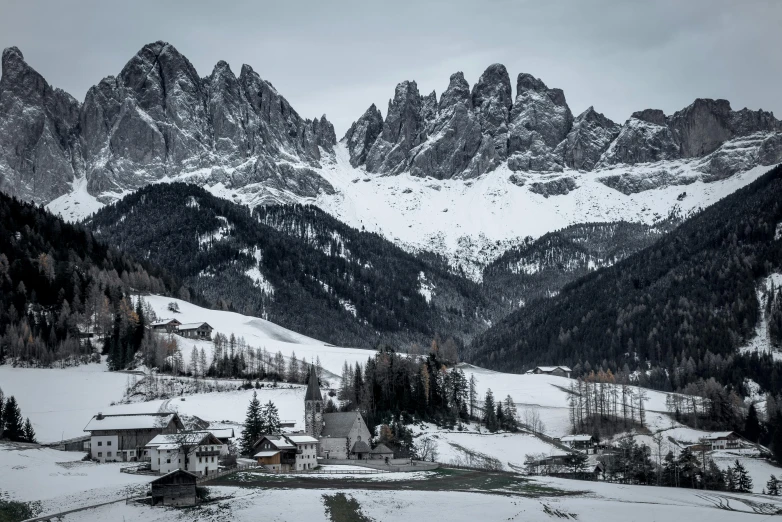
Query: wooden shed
x=177, y=488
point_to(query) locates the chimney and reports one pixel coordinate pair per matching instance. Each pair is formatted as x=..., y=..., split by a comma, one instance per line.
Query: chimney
x=99, y=416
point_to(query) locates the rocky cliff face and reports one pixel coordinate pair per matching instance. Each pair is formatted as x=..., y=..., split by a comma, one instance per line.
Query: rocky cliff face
x=39, y=145
x=465, y=136
x=156, y=119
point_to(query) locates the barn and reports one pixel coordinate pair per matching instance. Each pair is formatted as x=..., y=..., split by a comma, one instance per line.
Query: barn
x=177, y=488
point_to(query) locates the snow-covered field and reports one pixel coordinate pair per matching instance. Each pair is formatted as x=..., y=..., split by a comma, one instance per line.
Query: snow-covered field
x=596, y=502
x=60, y=480
x=470, y=221
x=59, y=402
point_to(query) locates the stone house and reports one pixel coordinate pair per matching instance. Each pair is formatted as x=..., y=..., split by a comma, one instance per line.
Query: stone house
x=123, y=437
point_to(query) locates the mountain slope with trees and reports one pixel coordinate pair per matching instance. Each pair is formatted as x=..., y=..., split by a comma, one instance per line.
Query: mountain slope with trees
x=296, y=266
x=676, y=311
x=59, y=286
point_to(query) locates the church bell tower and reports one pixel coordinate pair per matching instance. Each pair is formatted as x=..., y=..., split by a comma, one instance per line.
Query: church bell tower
x=313, y=407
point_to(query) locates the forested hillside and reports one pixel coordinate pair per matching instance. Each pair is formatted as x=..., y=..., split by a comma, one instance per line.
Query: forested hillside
x=296, y=266
x=539, y=268
x=680, y=308
x=58, y=282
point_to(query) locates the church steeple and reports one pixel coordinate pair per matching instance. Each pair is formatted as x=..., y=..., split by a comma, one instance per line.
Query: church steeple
x=313, y=389
x=313, y=406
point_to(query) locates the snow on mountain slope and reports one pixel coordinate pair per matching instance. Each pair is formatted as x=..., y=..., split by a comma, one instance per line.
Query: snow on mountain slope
x=474, y=221
x=258, y=333
x=761, y=341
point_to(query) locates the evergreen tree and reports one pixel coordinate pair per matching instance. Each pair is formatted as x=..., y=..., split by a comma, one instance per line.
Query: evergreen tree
x=293, y=369
x=29, y=432
x=743, y=480
x=714, y=479
x=730, y=479
x=271, y=418
x=752, y=427
x=14, y=426
x=473, y=395
x=776, y=442
x=253, y=426
x=689, y=468
x=489, y=412
x=772, y=486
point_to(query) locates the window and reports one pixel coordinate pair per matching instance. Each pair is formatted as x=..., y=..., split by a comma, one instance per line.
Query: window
x=108, y=443
x=213, y=459
x=100, y=443
x=158, y=462
x=100, y=454
x=168, y=461
x=132, y=453
x=108, y=454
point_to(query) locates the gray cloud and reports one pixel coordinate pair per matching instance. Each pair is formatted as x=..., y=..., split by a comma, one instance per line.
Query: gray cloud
x=339, y=57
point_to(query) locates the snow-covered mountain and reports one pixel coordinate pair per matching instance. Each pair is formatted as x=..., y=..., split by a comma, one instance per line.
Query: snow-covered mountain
x=466, y=175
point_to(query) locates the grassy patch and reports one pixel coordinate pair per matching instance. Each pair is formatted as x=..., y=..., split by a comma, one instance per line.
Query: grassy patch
x=13, y=511
x=341, y=508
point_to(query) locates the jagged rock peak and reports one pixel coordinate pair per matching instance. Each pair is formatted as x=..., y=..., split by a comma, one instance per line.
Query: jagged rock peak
x=655, y=116
x=362, y=134
x=12, y=53
x=494, y=84
x=597, y=117
x=458, y=91
x=492, y=98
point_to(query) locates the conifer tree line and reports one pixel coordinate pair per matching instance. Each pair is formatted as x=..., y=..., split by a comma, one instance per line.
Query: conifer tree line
x=321, y=277
x=260, y=420
x=673, y=314
x=231, y=357
x=12, y=427
x=59, y=285
x=632, y=463
x=393, y=389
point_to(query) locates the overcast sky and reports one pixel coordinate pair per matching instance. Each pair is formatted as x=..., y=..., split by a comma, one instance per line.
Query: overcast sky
x=337, y=57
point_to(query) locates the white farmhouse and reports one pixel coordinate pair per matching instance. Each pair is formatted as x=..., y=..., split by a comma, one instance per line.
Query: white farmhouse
x=197, y=452
x=123, y=437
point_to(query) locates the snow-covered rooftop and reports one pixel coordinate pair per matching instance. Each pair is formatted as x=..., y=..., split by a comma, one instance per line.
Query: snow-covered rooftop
x=578, y=438
x=266, y=454
x=192, y=326
x=175, y=439
x=302, y=439
x=132, y=421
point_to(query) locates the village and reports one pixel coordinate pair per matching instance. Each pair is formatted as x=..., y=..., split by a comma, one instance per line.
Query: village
x=177, y=446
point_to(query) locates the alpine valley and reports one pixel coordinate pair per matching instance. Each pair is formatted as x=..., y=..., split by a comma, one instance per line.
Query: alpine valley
x=499, y=296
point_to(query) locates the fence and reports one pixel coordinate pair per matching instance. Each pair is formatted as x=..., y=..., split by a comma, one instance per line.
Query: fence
x=212, y=476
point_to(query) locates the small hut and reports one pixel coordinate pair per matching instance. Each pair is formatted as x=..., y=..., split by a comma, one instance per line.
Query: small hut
x=177, y=488
x=381, y=452
x=360, y=450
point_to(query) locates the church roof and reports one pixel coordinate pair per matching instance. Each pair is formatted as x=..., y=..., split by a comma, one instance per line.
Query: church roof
x=381, y=449
x=360, y=447
x=338, y=424
x=313, y=389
